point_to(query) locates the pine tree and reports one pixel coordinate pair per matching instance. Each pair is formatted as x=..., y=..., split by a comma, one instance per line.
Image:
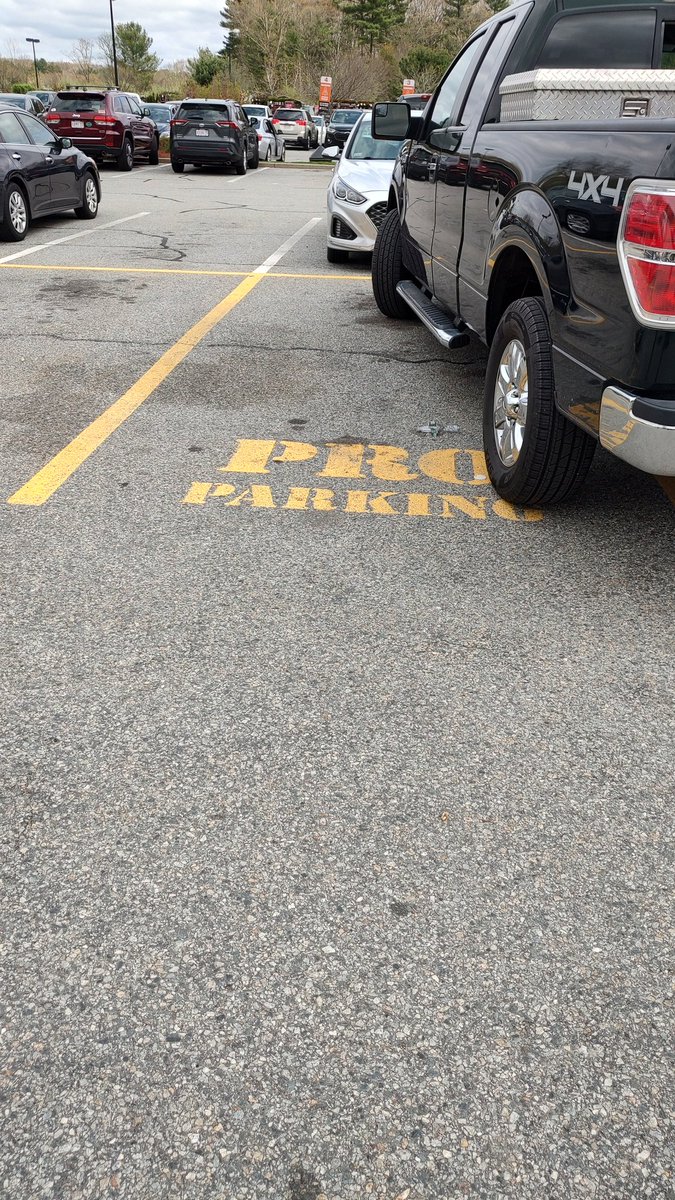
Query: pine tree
x=373, y=20
x=231, y=36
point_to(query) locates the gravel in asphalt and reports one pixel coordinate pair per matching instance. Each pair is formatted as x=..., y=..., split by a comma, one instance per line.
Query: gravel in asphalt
x=335, y=840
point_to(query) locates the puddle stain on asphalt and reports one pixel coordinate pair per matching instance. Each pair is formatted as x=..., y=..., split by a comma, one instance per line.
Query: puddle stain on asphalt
x=86, y=289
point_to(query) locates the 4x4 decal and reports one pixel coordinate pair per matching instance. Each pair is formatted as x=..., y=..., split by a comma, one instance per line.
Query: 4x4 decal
x=596, y=187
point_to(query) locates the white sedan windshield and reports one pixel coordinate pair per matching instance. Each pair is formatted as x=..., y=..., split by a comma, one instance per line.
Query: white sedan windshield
x=364, y=145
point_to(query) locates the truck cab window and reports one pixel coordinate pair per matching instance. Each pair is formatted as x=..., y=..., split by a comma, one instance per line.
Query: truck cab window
x=598, y=39
x=668, y=52
x=444, y=113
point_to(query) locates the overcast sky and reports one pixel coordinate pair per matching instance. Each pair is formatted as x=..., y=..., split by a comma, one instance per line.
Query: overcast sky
x=177, y=27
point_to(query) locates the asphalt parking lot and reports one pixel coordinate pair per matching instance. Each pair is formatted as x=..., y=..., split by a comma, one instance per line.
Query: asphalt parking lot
x=337, y=791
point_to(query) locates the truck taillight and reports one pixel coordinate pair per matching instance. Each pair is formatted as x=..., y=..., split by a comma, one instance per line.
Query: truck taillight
x=646, y=247
x=53, y=118
x=104, y=121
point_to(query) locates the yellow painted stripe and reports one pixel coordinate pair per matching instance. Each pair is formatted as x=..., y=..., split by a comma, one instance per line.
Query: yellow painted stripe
x=47, y=480
x=171, y=271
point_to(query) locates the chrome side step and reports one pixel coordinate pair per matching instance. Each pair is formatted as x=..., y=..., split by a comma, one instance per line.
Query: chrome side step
x=436, y=321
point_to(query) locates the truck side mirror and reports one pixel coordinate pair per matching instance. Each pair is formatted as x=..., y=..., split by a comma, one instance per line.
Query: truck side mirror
x=391, y=122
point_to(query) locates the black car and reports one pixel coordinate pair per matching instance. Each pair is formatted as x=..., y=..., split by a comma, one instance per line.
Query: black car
x=341, y=124
x=41, y=174
x=213, y=133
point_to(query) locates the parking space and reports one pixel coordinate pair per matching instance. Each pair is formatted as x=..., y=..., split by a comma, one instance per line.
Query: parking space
x=336, y=786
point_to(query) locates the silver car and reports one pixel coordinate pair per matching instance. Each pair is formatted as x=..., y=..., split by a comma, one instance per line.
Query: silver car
x=29, y=103
x=293, y=125
x=271, y=145
x=358, y=191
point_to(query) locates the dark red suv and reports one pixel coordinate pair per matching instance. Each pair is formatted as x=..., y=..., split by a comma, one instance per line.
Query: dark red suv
x=106, y=124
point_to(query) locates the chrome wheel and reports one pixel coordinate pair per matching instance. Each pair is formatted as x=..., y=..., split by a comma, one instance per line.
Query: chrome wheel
x=17, y=211
x=90, y=195
x=510, y=402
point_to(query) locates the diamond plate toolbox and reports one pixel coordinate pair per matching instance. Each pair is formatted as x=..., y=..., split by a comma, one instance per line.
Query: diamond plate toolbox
x=573, y=95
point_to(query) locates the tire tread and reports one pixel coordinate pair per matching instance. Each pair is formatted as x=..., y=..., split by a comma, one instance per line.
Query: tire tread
x=387, y=268
x=562, y=452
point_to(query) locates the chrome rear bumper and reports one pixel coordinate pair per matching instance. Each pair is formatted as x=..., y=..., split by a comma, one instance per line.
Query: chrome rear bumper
x=639, y=430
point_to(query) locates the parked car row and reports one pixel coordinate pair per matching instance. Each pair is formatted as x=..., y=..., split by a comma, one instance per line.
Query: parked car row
x=50, y=158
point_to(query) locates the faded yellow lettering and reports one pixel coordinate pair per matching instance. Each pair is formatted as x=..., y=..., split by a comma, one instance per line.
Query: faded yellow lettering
x=470, y=508
x=365, y=502
x=509, y=512
x=418, y=504
x=388, y=462
x=444, y=464
x=251, y=456
x=294, y=452
x=197, y=493
x=259, y=495
x=344, y=461
x=320, y=499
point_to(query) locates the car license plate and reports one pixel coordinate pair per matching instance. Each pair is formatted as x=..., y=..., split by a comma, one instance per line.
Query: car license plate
x=77, y=124
x=201, y=133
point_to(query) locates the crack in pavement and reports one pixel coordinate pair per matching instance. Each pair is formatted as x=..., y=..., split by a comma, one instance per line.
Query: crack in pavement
x=230, y=345
x=345, y=353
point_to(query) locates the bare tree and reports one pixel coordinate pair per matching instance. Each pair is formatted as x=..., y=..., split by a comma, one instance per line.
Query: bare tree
x=82, y=56
x=14, y=66
x=105, y=46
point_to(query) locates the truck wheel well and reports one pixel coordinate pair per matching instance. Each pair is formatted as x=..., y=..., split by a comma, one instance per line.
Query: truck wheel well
x=391, y=202
x=512, y=278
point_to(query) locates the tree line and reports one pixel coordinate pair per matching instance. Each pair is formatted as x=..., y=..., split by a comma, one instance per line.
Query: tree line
x=272, y=48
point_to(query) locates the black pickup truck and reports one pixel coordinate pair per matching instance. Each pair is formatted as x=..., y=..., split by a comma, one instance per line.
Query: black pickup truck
x=552, y=240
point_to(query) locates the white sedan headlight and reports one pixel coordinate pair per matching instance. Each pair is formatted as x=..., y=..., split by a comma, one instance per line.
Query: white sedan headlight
x=343, y=192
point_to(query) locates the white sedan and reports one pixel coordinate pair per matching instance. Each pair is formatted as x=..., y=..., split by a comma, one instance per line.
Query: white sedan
x=358, y=191
x=271, y=145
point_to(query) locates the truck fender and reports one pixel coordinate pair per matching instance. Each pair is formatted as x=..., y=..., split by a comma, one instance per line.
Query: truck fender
x=526, y=228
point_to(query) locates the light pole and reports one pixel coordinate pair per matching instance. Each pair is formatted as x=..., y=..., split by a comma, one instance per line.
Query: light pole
x=114, y=47
x=36, y=42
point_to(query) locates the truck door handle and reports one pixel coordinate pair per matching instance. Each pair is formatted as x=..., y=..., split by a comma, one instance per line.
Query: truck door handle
x=48, y=158
x=17, y=157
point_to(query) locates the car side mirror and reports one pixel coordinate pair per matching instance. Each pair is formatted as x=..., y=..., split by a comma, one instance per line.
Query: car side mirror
x=65, y=144
x=145, y=112
x=331, y=152
x=253, y=121
x=390, y=121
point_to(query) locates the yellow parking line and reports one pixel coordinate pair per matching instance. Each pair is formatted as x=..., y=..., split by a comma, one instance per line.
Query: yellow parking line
x=172, y=271
x=62, y=465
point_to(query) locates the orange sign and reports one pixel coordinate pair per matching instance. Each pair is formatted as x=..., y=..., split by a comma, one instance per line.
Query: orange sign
x=325, y=89
x=408, y=87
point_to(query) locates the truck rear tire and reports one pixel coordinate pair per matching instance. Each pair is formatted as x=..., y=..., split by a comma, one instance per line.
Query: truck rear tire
x=534, y=454
x=387, y=268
